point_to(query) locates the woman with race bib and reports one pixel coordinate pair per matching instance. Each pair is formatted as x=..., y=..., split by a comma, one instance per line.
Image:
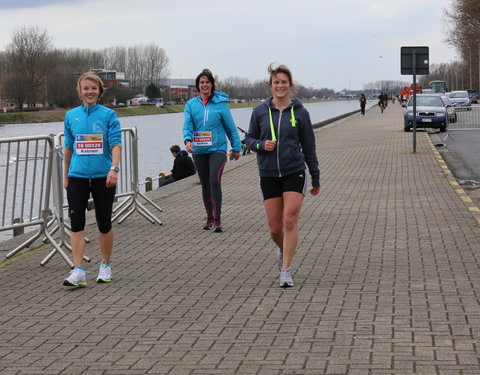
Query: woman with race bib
x=207, y=125
x=92, y=157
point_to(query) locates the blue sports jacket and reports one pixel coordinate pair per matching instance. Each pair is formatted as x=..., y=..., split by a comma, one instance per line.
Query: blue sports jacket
x=294, y=136
x=81, y=123
x=212, y=119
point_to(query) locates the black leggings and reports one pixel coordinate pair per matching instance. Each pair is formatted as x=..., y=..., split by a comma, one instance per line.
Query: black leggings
x=210, y=168
x=78, y=193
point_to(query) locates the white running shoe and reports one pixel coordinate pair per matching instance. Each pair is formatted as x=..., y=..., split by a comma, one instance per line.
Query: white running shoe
x=286, y=279
x=76, y=278
x=104, y=274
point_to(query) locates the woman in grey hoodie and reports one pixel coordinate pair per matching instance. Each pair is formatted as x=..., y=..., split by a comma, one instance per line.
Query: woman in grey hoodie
x=281, y=134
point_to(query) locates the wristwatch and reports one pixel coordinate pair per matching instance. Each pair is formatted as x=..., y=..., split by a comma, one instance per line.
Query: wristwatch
x=116, y=169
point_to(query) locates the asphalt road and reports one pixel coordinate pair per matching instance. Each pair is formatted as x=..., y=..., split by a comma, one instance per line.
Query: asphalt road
x=460, y=148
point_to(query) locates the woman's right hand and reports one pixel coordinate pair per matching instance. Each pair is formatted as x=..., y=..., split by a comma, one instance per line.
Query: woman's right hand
x=270, y=145
x=188, y=147
x=65, y=181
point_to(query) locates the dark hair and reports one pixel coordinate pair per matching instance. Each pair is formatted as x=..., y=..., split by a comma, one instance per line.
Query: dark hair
x=279, y=69
x=175, y=149
x=205, y=73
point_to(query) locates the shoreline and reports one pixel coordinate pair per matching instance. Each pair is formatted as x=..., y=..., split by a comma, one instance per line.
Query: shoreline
x=57, y=115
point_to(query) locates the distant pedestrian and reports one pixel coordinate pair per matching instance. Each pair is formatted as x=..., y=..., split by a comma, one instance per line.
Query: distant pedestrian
x=182, y=165
x=281, y=134
x=382, y=101
x=363, y=103
x=207, y=125
x=92, y=157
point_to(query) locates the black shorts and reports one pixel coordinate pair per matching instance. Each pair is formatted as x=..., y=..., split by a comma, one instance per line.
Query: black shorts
x=78, y=194
x=274, y=187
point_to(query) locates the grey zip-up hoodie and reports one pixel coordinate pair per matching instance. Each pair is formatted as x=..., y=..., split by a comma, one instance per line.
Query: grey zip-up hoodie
x=295, y=141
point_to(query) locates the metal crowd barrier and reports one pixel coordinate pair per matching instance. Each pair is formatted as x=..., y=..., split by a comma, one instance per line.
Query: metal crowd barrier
x=44, y=203
x=466, y=119
x=27, y=169
x=129, y=187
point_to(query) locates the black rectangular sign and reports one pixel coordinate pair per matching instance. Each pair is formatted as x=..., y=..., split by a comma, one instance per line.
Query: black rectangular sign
x=421, y=60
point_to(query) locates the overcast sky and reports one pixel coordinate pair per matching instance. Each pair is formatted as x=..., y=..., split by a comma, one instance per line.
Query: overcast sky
x=339, y=44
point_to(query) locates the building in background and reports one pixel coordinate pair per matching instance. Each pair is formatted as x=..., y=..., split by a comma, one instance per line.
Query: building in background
x=181, y=89
x=110, y=78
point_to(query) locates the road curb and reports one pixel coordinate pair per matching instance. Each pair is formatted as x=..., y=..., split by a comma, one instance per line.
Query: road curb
x=465, y=198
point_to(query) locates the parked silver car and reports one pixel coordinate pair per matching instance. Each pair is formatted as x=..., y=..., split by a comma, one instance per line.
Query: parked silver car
x=451, y=114
x=460, y=100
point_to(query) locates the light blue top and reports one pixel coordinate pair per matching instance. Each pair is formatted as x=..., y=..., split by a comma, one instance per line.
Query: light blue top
x=91, y=121
x=214, y=119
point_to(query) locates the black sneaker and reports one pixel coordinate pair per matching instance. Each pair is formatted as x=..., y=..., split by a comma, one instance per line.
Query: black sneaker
x=217, y=226
x=209, y=224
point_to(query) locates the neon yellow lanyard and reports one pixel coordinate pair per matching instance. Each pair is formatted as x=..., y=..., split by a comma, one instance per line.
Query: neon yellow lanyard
x=272, y=129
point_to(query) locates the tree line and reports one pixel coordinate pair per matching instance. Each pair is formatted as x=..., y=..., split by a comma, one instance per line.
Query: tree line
x=463, y=32
x=33, y=71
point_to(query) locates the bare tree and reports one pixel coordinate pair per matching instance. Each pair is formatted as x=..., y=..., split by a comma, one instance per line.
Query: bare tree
x=464, y=34
x=28, y=57
x=156, y=63
x=115, y=58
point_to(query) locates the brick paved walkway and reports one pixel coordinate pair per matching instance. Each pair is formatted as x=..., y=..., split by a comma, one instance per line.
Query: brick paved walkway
x=387, y=278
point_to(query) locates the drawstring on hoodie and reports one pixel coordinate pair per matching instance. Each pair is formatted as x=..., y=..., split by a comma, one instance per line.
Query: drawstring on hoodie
x=272, y=128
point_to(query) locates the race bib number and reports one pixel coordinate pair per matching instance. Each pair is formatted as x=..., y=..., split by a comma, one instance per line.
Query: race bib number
x=202, y=138
x=89, y=144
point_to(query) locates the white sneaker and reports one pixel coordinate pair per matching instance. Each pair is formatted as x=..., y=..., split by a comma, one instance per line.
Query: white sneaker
x=76, y=278
x=286, y=279
x=104, y=274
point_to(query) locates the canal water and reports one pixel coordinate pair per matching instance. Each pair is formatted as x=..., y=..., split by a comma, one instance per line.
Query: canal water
x=156, y=133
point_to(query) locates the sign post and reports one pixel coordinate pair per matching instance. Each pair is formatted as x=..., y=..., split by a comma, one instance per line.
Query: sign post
x=414, y=60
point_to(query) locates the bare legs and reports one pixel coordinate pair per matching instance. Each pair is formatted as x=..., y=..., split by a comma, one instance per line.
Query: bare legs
x=78, y=247
x=282, y=217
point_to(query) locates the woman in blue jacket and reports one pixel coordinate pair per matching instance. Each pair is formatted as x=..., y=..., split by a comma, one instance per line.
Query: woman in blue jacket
x=281, y=134
x=207, y=125
x=92, y=158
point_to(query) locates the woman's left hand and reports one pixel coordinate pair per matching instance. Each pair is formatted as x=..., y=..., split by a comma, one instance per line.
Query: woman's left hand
x=315, y=190
x=111, y=179
x=236, y=155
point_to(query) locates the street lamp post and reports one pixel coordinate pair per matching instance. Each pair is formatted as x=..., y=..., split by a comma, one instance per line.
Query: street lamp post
x=456, y=79
x=470, y=51
x=478, y=41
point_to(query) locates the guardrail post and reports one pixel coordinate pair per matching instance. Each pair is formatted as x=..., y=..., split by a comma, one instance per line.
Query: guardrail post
x=148, y=184
x=161, y=179
x=20, y=230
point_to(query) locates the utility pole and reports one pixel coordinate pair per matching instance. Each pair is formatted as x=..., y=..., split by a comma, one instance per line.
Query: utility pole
x=470, y=51
x=45, y=94
x=478, y=41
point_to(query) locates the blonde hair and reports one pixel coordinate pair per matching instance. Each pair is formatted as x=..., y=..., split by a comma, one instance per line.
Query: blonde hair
x=90, y=77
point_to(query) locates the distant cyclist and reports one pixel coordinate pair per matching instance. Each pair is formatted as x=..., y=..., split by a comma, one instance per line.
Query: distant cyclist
x=382, y=101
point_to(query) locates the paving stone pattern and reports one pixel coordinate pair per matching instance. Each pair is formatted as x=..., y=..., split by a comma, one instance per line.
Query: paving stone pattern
x=386, y=278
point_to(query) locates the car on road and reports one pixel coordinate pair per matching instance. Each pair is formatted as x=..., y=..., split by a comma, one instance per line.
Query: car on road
x=451, y=114
x=460, y=100
x=473, y=95
x=431, y=112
